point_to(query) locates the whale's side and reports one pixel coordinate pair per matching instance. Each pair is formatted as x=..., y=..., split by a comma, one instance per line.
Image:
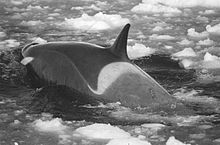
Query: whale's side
x=101, y=72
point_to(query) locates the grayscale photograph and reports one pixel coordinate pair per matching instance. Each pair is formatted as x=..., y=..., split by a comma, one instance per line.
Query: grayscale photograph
x=109, y=72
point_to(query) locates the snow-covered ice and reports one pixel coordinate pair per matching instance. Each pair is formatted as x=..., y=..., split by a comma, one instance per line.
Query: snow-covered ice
x=2, y=34
x=173, y=141
x=186, y=42
x=53, y=126
x=128, y=141
x=97, y=22
x=38, y=40
x=153, y=126
x=161, y=37
x=186, y=63
x=206, y=42
x=215, y=30
x=139, y=50
x=102, y=131
x=189, y=3
x=193, y=34
x=32, y=23
x=209, y=57
x=154, y=7
x=9, y=43
x=187, y=52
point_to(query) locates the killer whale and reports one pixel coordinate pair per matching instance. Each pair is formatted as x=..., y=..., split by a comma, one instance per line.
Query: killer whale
x=101, y=72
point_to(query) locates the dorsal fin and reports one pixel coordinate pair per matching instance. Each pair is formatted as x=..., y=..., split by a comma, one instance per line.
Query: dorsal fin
x=119, y=47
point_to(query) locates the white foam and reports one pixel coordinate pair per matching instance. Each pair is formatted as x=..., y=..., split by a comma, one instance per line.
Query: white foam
x=139, y=50
x=192, y=33
x=54, y=126
x=213, y=29
x=151, y=7
x=173, y=141
x=161, y=37
x=128, y=141
x=97, y=22
x=101, y=131
x=187, y=52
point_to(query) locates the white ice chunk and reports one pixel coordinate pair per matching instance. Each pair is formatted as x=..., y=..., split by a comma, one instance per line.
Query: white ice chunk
x=54, y=126
x=153, y=126
x=128, y=141
x=207, y=12
x=186, y=3
x=38, y=40
x=185, y=42
x=2, y=34
x=187, y=52
x=102, y=131
x=139, y=50
x=213, y=29
x=154, y=8
x=11, y=43
x=209, y=57
x=97, y=22
x=161, y=37
x=186, y=63
x=194, y=34
x=31, y=23
x=173, y=141
x=206, y=42
x=157, y=29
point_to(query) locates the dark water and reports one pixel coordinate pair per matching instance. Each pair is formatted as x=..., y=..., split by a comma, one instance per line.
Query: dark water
x=21, y=104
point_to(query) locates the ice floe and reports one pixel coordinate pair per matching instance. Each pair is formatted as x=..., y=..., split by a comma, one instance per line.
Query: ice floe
x=38, y=40
x=209, y=57
x=207, y=12
x=139, y=50
x=187, y=52
x=54, y=126
x=154, y=7
x=97, y=22
x=173, y=141
x=157, y=29
x=196, y=35
x=189, y=3
x=206, y=42
x=153, y=126
x=32, y=23
x=101, y=131
x=186, y=42
x=215, y=30
x=2, y=34
x=186, y=63
x=211, y=61
x=9, y=43
x=161, y=37
x=128, y=141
